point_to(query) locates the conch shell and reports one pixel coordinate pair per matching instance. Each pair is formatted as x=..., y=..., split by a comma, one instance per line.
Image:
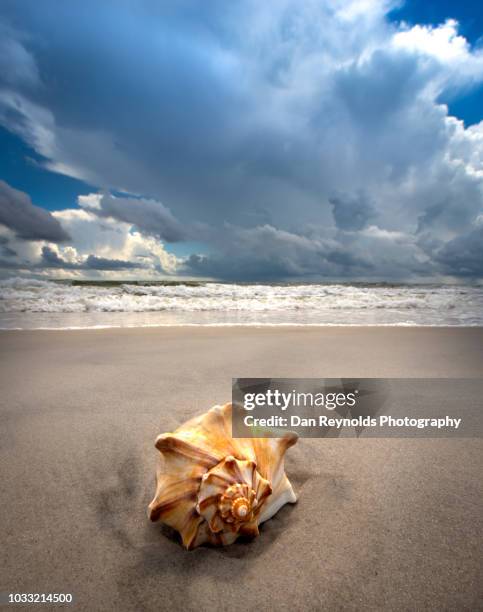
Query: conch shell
x=215, y=488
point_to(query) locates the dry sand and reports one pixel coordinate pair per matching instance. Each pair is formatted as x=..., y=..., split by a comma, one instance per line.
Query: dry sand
x=380, y=524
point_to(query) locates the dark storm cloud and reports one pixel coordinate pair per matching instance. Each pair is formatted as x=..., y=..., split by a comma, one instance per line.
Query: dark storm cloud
x=463, y=256
x=265, y=253
x=5, y=250
x=348, y=262
x=148, y=216
x=51, y=259
x=101, y=263
x=29, y=222
x=351, y=212
x=8, y=264
x=430, y=215
x=376, y=90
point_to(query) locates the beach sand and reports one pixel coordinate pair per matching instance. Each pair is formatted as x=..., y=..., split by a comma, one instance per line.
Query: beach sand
x=380, y=524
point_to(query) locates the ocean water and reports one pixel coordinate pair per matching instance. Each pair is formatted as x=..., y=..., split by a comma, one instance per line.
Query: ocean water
x=39, y=304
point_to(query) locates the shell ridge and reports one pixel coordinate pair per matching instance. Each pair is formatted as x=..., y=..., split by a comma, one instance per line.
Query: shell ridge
x=170, y=443
x=215, y=488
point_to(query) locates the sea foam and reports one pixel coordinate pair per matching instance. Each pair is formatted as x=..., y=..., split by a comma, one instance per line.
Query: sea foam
x=32, y=303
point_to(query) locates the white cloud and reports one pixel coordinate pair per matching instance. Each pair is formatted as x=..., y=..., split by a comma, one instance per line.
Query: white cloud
x=442, y=42
x=114, y=240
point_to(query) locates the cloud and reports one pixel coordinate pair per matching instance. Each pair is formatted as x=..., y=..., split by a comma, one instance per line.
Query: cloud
x=441, y=42
x=5, y=250
x=463, y=256
x=52, y=259
x=102, y=263
x=148, y=216
x=351, y=212
x=113, y=239
x=29, y=222
x=292, y=139
x=98, y=248
x=17, y=65
x=266, y=253
x=8, y=264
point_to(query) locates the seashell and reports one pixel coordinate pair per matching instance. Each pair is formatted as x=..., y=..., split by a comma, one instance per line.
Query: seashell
x=215, y=488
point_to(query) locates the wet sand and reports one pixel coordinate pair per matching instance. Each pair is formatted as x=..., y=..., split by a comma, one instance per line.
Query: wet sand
x=380, y=524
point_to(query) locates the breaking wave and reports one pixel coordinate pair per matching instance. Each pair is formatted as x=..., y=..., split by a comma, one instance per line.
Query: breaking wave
x=28, y=303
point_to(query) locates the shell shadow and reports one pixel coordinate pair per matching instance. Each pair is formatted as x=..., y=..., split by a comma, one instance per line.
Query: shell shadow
x=114, y=501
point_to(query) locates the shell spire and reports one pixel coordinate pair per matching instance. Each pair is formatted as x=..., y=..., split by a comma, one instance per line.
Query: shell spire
x=214, y=488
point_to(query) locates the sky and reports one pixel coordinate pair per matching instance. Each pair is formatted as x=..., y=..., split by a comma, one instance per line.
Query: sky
x=242, y=141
